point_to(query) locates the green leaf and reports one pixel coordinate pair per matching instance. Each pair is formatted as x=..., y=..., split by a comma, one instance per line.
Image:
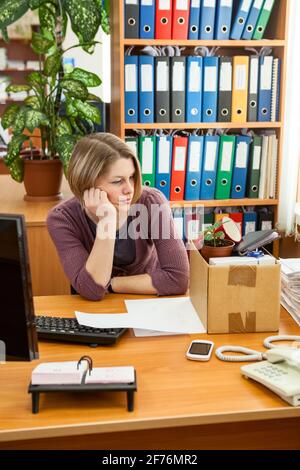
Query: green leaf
x=4, y=34
x=70, y=108
x=208, y=237
x=52, y=64
x=9, y=115
x=88, y=79
x=19, y=123
x=93, y=97
x=32, y=102
x=35, y=119
x=14, y=147
x=36, y=80
x=36, y=3
x=85, y=16
x=105, y=21
x=219, y=235
x=75, y=88
x=18, y=88
x=64, y=147
x=17, y=169
x=87, y=111
x=47, y=21
x=11, y=11
x=63, y=127
x=40, y=44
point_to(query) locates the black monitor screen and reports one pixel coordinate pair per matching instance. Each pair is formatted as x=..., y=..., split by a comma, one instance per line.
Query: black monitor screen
x=17, y=329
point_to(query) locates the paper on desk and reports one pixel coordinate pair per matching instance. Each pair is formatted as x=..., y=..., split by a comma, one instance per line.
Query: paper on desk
x=175, y=315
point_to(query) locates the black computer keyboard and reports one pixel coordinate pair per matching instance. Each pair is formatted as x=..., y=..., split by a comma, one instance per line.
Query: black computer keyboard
x=69, y=330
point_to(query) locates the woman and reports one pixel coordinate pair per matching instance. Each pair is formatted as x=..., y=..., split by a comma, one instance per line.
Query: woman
x=116, y=235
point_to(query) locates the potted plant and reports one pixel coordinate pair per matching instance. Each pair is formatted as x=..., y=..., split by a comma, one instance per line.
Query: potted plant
x=50, y=88
x=215, y=242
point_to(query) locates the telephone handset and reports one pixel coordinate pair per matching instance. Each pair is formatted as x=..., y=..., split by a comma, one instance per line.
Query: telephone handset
x=280, y=373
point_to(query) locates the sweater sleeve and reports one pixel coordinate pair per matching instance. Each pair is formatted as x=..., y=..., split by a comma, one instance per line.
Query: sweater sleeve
x=171, y=276
x=73, y=255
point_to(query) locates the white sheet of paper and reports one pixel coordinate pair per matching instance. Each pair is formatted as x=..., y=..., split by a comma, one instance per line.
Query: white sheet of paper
x=175, y=315
x=140, y=333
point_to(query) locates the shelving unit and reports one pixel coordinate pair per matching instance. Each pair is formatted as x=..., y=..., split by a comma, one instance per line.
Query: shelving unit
x=276, y=37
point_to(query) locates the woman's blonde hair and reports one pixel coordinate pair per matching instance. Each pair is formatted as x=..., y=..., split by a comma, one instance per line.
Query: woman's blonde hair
x=92, y=157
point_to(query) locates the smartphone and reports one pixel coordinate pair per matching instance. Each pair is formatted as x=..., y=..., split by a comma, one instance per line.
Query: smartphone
x=200, y=350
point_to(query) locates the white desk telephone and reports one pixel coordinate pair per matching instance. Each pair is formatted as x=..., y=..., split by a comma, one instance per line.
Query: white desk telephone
x=280, y=373
x=279, y=369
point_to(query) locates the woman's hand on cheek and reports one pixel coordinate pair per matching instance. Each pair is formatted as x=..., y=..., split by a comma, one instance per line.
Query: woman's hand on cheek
x=97, y=203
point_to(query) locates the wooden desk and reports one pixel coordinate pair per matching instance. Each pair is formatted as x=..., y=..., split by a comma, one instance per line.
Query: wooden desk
x=179, y=404
x=48, y=277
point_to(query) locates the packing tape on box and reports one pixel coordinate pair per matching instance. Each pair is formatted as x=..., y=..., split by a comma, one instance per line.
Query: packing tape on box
x=236, y=324
x=242, y=276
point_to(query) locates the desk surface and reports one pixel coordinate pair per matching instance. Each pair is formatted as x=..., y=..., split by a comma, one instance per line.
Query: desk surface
x=172, y=391
x=12, y=202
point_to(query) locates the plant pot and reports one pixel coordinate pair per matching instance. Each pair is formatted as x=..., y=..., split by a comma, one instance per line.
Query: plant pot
x=42, y=180
x=209, y=251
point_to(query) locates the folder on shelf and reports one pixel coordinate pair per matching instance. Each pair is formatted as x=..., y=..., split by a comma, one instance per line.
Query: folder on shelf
x=225, y=89
x=265, y=88
x=131, y=88
x=209, y=218
x=194, y=22
x=240, y=88
x=132, y=143
x=225, y=164
x=163, y=19
x=147, y=154
x=194, y=167
x=210, y=89
x=178, y=218
x=240, y=19
x=131, y=16
x=163, y=164
x=273, y=166
x=207, y=20
x=179, y=158
x=209, y=167
x=194, y=66
x=178, y=80
x=265, y=218
x=147, y=19
x=219, y=214
x=249, y=222
x=263, y=177
x=253, y=88
x=162, y=89
x=263, y=19
x=146, y=88
x=275, y=95
x=252, y=19
x=239, y=175
x=237, y=217
x=254, y=167
x=223, y=19
x=180, y=19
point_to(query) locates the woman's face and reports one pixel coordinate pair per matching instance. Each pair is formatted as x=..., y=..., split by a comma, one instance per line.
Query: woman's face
x=118, y=183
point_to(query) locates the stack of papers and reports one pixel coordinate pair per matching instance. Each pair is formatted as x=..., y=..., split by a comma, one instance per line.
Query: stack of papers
x=290, y=287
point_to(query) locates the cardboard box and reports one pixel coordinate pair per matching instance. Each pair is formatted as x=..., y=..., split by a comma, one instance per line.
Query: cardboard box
x=235, y=299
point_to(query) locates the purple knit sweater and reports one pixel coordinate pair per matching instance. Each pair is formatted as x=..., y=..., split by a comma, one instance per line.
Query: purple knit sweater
x=165, y=260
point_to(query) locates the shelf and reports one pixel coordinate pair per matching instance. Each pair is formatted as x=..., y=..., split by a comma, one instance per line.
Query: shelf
x=203, y=125
x=226, y=202
x=18, y=70
x=213, y=43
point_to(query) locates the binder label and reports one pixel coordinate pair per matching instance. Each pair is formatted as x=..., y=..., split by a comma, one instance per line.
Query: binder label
x=226, y=3
x=258, y=4
x=195, y=156
x=162, y=83
x=266, y=73
x=147, y=78
x=164, y=155
x=181, y=4
x=240, y=77
x=178, y=77
x=226, y=156
x=148, y=3
x=179, y=163
x=211, y=153
x=226, y=76
x=195, y=4
x=268, y=5
x=194, y=82
x=209, y=3
x=131, y=2
x=241, y=155
x=164, y=4
x=147, y=158
x=210, y=79
x=246, y=5
x=254, y=75
x=130, y=77
x=256, y=158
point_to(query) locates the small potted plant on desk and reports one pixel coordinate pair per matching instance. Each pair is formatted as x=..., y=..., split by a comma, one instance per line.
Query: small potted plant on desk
x=215, y=242
x=50, y=91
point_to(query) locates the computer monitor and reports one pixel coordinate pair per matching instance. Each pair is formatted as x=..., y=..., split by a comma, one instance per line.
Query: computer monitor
x=17, y=320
